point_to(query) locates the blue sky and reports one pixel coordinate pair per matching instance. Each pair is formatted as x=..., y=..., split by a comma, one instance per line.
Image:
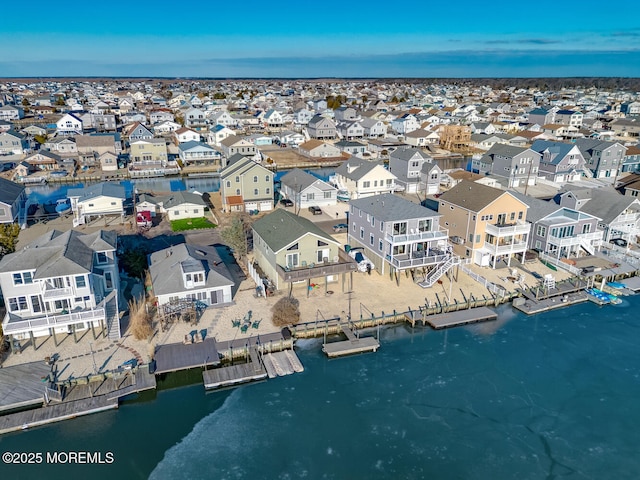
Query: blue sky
x=344, y=39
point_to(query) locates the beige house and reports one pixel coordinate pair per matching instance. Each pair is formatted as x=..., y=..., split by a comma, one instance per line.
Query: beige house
x=357, y=178
x=484, y=223
x=289, y=248
x=153, y=150
x=246, y=186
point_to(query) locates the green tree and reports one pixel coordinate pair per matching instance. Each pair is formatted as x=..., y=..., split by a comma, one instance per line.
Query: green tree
x=8, y=238
x=235, y=235
x=41, y=139
x=25, y=102
x=60, y=102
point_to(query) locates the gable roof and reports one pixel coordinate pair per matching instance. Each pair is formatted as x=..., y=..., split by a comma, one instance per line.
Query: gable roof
x=99, y=189
x=9, y=191
x=471, y=195
x=299, y=179
x=281, y=228
x=179, y=198
x=361, y=168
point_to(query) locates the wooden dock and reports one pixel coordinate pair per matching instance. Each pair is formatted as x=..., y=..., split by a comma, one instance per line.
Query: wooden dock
x=531, y=307
x=460, y=317
x=23, y=386
x=279, y=364
x=55, y=413
x=632, y=283
x=350, y=346
x=232, y=375
x=178, y=356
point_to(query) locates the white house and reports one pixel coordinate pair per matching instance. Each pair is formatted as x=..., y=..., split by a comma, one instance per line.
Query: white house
x=306, y=190
x=69, y=124
x=363, y=178
x=179, y=205
x=96, y=201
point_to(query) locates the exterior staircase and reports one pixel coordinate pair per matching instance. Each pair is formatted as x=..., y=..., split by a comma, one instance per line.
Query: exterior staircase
x=587, y=247
x=112, y=315
x=434, y=275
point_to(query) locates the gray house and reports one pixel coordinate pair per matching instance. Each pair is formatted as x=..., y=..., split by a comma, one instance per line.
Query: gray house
x=559, y=162
x=561, y=232
x=515, y=166
x=397, y=234
x=190, y=272
x=603, y=159
x=406, y=164
x=321, y=128
x=12, y=200
x=306, y=190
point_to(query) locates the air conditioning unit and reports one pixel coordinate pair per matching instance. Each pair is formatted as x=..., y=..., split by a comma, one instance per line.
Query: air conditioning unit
x=457, y=240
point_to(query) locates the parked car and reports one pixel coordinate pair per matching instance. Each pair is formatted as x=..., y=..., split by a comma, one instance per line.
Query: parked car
x=340, y=227
x=315, y=210
x=364, y=264
x=285, y=202
x=620, y=242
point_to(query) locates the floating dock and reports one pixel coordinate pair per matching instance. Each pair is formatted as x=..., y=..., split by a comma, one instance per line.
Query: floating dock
x=350, y=346
x=531, y=306
x=23, y=385
x=179, y=356
x=460, y=317
x=632, y=283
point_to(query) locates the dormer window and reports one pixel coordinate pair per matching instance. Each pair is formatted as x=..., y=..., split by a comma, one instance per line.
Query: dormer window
x=102, y=258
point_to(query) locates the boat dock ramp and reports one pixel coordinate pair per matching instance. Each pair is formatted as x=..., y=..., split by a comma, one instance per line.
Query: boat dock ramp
x=352, y=345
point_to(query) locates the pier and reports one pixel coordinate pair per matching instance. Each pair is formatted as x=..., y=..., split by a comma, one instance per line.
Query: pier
x=179, y=356
x=352, y=345
x=460, y=317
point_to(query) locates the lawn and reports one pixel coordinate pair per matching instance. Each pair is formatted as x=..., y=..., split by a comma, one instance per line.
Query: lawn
x=191, y=224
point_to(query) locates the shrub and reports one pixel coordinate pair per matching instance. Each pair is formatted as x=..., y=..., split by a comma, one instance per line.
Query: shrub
x=139, y=320
x=286, y=311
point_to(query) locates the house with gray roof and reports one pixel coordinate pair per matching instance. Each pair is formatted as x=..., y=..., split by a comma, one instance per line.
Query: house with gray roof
x=179, y=205
x=514, y=166
x=190, y=272
x=559, y=162
x=397, y=234
x=603, y=159
x=619, y=214
x=61, y=282
x=245, y=185
x=321, y=128
x=12, y=200
x=289, y=248
x=96, y=201
x=561, y=232
x=406, y=164
x=363, y=178
x=306, y=190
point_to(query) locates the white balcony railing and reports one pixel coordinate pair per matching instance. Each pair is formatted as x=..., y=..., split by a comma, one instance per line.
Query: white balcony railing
x=505, y=249
x=440, y=234
x=576, y=239
x=51, y=292
x=519, y=228
x=12, y=326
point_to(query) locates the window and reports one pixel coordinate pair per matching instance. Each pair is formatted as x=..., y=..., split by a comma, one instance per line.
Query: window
x=361, y=232
x=255, y=179
x=198, y=277
x=371, y=239
x=102, y=257
x=520, y=214
x=327, y=194
x=255, y=191
x=17, y=279
x=366, y=184
x=541, y=231
x=311, y=196
x=400, y=228
x=380, y=245
x=237, y=179
x=228, y=184
x=292, y=260
x=266, y=178
x=322, y=254
x=237, y=191
x=586, y=228
x=293, y=247
x=81, y=282
x=267, y=191
x=36, y=302
x=108, y=279
x=176, y=212
x=512, y=217
x=424, y=225
x=61, y=304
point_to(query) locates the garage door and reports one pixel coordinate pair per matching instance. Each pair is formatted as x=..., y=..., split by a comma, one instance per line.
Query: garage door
x=250, y=206
x=266, y=206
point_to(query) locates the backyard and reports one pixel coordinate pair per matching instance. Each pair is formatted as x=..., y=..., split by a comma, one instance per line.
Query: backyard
x=191, y=224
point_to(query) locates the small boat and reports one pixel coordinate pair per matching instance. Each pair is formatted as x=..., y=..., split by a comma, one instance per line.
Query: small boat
x=617, y=285
x=63, y=205
x=343, y=195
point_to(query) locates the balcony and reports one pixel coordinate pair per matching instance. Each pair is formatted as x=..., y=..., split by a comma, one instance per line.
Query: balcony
x=51, y=293
x=315, y=270
x=518, y=228
x=505, y=248
x=415, y=260
x=435, y=235
x=13, y=324
x=591, y=237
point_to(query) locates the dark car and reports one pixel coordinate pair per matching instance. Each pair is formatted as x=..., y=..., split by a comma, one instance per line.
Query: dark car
x=285, y=202
x=340, y=227
x=315, y=210
x=620, y=242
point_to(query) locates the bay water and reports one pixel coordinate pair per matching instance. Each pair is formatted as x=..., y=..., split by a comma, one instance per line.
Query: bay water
x=553, y=395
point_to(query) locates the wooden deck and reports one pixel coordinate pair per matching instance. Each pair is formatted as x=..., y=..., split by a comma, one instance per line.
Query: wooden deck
x=632, y=283
x=178, y=356
x=350, y=347
x=460, y=317
x=232, y=375
x=531, y=307
x=22, y=385
x=562, y=288
x=55, y=413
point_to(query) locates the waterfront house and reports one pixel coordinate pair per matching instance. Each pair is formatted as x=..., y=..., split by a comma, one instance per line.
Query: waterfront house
x=485, y=224
x=289, y=248
x=61, y=282
x=179, y=205
x=245, y=185
x=198, y=153
x=99, y=144
x=346, y=114
x=619, y=214
x=290, y=138
x=406, y=164
x=161, y=115
x=603, y=159
x=12, y=200
x=306, y=190
x=363, y=178
x=222, y=118
x=302, y=116
x=319, y=149
x=351, y=147
x=44, y=160
x=350, y=130
x=217, y=133
x=63, y=146
x=166, y=128
x=321, y=128
x=98, y=200
x=515, y=166
x=193, y=273
x=421, y=138
x=195, y=119
x=559, y=162
x=11, y=112
x=149, y=152
x=69, y=124
x=272, y=119
x=569, y=117
x=108, y=161
x=405, y=123
x=396, y=234
x=373, y=128
x=235, y=144
x=561, y=232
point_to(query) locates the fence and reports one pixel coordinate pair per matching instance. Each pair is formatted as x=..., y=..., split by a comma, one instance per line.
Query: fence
x=560, y=264
x=492, y=287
